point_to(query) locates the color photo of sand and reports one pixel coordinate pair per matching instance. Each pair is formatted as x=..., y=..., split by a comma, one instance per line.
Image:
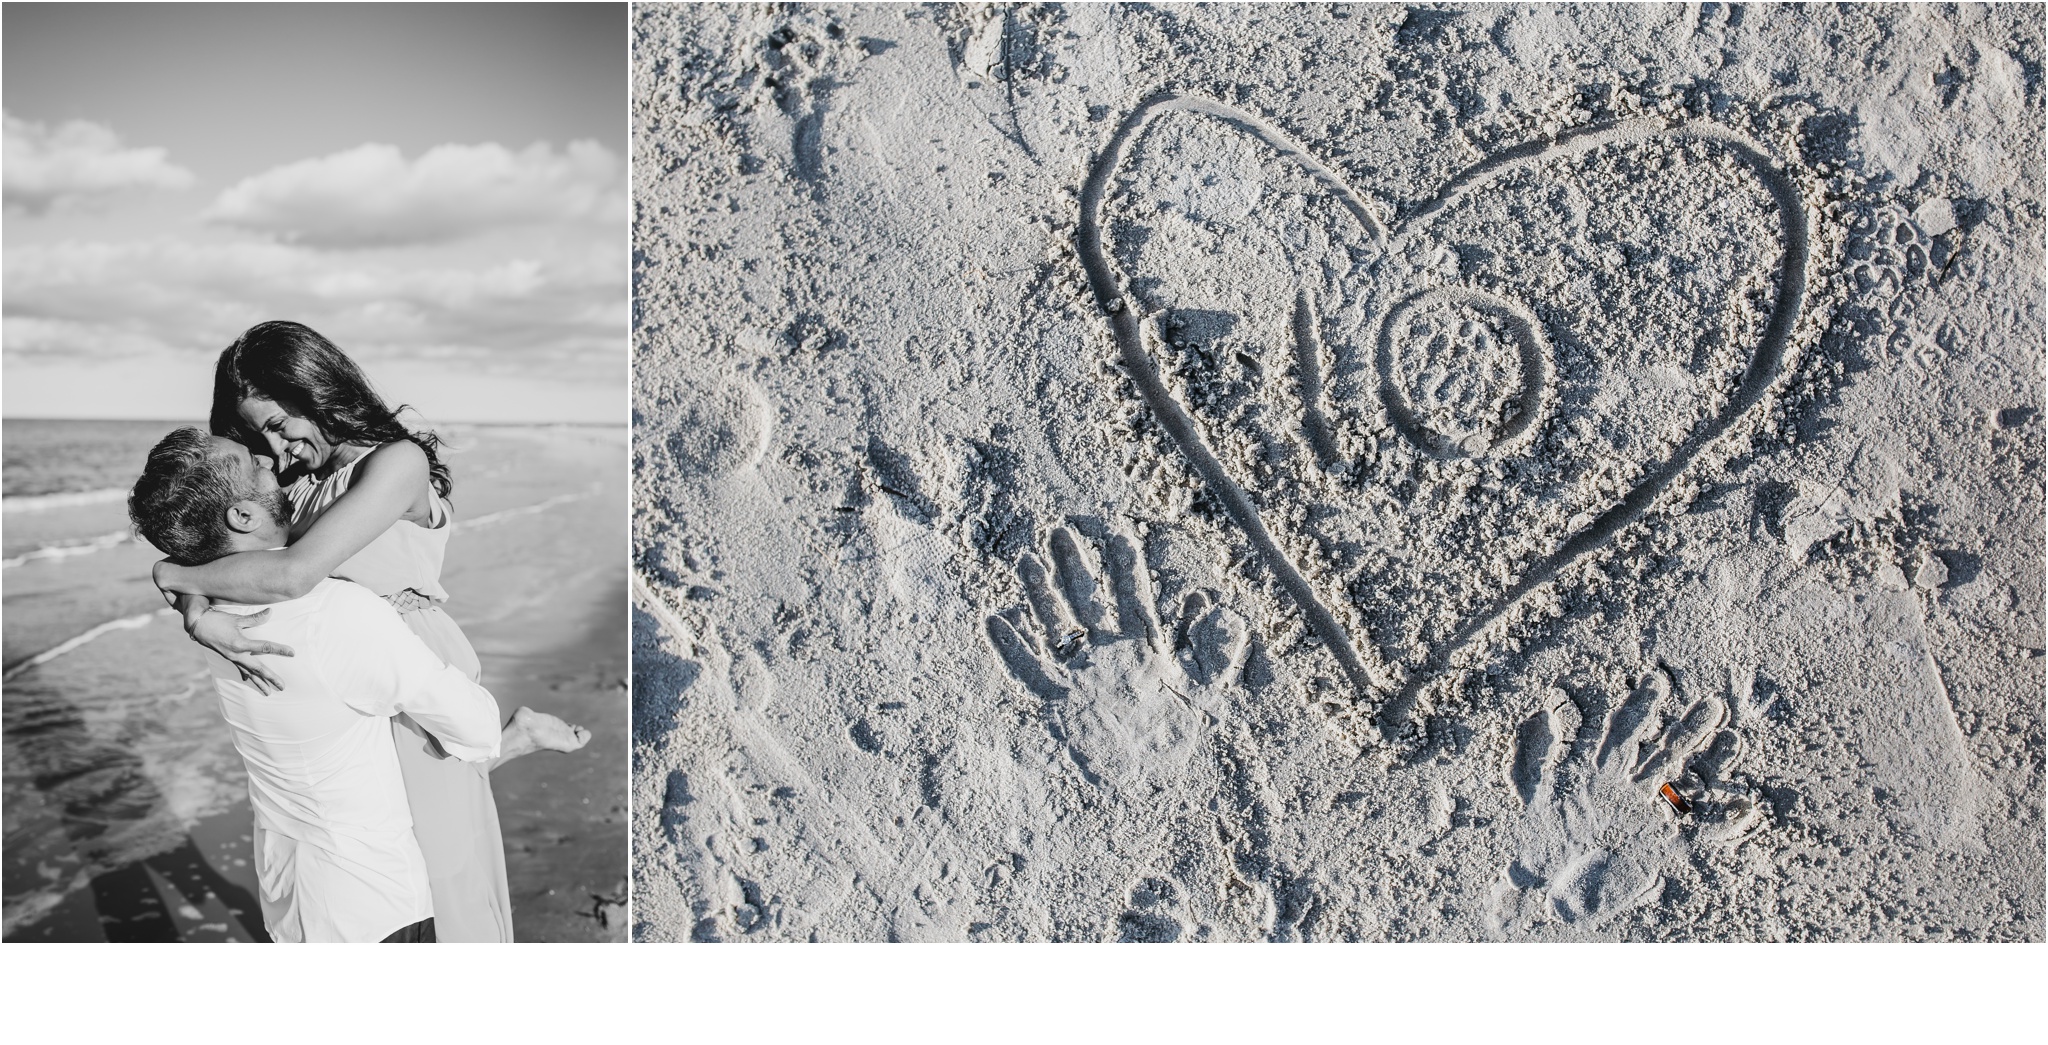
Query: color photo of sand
x=126, y=813
x=1344, y=472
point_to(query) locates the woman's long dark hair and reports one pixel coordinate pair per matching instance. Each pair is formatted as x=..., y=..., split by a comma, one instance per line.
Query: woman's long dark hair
x=293, y=366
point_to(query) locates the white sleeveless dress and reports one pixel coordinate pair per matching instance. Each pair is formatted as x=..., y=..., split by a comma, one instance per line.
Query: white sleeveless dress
x=454, y=816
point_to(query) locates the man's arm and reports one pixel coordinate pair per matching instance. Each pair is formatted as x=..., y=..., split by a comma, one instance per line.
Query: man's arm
x=385, y=668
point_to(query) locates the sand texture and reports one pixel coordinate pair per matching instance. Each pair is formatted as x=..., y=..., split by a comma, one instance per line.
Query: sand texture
x=1338, y=473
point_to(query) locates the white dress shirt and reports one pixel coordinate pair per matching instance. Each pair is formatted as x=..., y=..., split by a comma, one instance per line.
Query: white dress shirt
x=335, y=854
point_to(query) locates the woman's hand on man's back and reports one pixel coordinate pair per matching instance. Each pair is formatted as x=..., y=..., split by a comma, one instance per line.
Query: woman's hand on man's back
x=223, y=633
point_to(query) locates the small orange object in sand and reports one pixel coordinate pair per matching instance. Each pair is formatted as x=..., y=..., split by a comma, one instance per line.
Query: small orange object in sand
x=1677, y=800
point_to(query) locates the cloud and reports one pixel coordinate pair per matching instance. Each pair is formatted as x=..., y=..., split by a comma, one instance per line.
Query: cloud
x=564, y=317
x=75, y=163
x=372, y=196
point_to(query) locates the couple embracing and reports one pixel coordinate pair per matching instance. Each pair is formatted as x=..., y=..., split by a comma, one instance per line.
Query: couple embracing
x=305, y=537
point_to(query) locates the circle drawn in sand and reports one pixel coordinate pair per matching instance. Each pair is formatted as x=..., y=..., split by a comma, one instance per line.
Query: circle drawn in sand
x=704, y=428
x=1462, y=372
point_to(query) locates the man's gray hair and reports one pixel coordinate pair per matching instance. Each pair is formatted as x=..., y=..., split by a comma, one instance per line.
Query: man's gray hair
x=181, y=502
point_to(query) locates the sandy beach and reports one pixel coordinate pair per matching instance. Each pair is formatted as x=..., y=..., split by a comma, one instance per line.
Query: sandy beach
x=1186, y=473
x=126, y=815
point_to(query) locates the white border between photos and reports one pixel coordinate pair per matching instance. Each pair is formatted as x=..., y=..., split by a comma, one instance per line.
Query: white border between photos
x=1039, y=993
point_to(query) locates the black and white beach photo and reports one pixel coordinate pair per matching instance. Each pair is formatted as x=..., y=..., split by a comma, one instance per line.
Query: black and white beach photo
x=373, y=257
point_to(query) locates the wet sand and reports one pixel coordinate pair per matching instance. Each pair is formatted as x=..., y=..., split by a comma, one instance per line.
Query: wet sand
x=543, y=599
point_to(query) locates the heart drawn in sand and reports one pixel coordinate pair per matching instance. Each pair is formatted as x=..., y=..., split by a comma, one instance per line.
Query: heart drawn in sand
x=1419, y=424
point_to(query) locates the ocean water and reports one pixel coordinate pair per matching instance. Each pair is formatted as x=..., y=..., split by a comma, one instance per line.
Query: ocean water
x=66, y=482
x=125, y=802
x=42, y=457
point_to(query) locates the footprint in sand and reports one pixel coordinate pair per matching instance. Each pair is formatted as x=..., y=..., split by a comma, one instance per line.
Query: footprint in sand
x=1127, y=701
x=695, y=428
x=733, y=837
x=1152, y=916
x=1418, y=422
x=1601, y=827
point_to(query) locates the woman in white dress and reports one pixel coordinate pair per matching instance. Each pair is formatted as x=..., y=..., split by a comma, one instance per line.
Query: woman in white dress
x=369, y=504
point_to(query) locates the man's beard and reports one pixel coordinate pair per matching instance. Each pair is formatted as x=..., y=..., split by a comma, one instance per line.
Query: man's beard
x=279, y=504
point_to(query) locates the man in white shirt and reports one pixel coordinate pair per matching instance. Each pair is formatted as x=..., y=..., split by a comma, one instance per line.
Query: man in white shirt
x=335, y=855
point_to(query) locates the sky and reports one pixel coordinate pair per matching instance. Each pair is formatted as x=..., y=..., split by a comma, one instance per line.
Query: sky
x=440, y=189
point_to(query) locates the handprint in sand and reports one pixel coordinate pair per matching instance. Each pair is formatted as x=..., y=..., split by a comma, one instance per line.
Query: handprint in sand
x=1611, y=806
x=1128, y=701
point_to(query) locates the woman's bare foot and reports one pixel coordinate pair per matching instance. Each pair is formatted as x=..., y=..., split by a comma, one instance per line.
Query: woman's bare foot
x=548, y=732
x=531, y=731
